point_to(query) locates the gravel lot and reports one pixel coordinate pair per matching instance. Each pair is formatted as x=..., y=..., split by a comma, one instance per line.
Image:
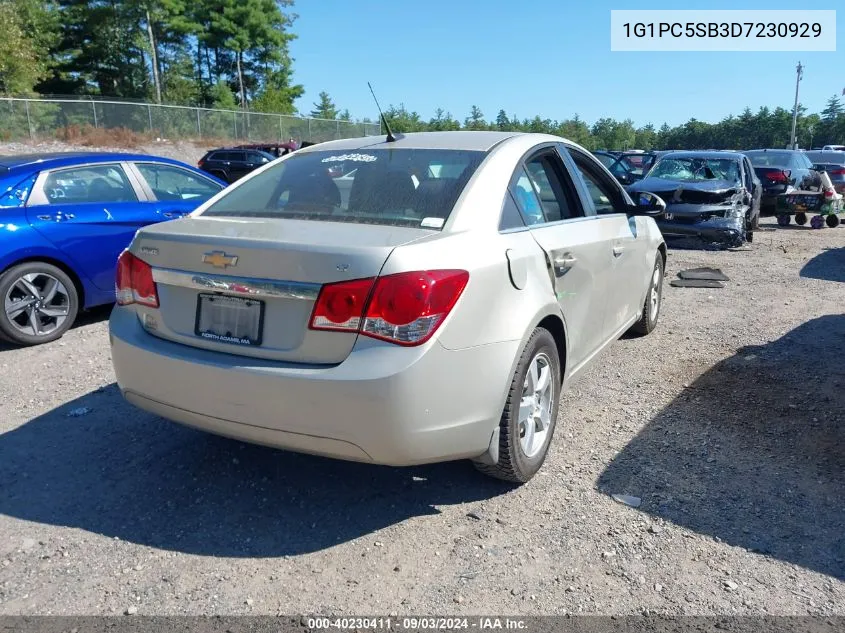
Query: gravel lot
x=727, y=422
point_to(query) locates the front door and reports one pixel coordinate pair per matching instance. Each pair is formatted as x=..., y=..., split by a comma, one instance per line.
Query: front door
x=91, y=213
x=174, y=191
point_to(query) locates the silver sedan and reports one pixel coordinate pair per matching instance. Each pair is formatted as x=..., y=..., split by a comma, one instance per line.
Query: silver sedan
x=418, y=299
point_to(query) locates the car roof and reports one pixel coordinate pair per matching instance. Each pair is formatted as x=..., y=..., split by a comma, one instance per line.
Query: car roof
x=63, y=159
x=468, y=140
x=773, y=150
x=714, y=154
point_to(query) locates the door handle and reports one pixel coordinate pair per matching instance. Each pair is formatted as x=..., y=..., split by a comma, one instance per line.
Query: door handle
x=174, y=214
x=564, y=263
x=45, y=218
x=618, y=250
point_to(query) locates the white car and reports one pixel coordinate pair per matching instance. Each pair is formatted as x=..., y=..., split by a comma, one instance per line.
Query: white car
x=432, y=313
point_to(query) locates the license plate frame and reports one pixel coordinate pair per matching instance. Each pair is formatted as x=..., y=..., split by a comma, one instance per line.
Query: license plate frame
x=204, y=298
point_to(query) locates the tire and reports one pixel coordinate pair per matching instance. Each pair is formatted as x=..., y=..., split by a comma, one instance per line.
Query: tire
x=653, y=300
x=817, y=222
x=832, y=220
x=801, y=219
x=519, y=458
x=783, y=219
x=53, y=315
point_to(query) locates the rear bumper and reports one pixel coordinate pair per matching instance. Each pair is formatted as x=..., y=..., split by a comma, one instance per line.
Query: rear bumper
x=384, y=404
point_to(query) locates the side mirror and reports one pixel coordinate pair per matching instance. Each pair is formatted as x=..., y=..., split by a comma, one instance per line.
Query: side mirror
x=646, y=203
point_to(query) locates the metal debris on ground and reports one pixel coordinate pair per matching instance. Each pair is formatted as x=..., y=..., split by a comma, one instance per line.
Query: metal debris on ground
x=79, y=412
x=712, y=274
x=700, y=278
x=627, y=500
x=696, y=283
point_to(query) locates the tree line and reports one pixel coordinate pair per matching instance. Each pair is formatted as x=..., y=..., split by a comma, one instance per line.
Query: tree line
x=213, y=53
x=235, y=54
x=764, y=128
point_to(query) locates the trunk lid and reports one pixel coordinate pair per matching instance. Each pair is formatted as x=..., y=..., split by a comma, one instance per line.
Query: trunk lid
x=278, y=266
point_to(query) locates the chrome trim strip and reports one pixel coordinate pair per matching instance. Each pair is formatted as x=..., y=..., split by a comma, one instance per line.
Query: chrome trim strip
x=243, y=286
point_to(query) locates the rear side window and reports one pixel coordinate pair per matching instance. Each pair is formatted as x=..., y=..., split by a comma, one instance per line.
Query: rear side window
x=94, y=183
x=770, y=159
x=229, y=156
x=400, y=187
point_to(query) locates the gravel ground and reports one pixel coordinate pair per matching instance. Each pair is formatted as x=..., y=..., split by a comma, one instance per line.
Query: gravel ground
x=727, y=424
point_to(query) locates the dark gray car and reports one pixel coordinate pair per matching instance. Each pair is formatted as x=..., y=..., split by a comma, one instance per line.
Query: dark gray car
x=714, y=195
x=779, y=170
x=832, y=162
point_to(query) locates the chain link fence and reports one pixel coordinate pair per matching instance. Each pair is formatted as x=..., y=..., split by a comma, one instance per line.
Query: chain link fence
x=41, y=119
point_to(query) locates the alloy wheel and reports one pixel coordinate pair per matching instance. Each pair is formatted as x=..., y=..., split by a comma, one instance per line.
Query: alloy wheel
x=535, y=407
x=37, y=304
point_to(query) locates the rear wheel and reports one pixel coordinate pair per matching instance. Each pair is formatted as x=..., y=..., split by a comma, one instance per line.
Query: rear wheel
x=817, y=222
x=783, y=219
x=832, y=220
x=653, y=300
x=40, y=303
x=801, y=219
x=528, y=421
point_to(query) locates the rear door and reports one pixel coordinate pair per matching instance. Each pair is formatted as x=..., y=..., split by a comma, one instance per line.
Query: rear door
x=91, y=212
x=628, y=247
x=174, y=191
x=577, y=247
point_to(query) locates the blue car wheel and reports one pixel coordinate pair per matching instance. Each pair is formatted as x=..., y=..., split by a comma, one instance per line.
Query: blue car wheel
x=39, y=303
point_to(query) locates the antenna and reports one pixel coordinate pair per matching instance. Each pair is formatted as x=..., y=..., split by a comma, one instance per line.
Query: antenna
x=390, y=137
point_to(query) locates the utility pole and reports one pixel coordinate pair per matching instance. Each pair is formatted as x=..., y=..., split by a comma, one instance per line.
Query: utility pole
x=799, y=72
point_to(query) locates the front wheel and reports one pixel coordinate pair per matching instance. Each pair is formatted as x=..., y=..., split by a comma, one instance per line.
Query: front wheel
x=40, y=303
x=528, y=420
x=801, y=219
x=783, y=219
x=832, y=220
x=653, y=300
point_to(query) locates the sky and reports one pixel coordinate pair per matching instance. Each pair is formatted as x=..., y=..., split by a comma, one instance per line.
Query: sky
x=544, y=57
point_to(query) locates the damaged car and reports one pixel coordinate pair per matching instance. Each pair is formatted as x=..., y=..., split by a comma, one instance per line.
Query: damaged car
x=714, y=196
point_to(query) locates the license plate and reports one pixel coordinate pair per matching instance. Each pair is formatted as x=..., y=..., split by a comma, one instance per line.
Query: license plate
x=234, y=320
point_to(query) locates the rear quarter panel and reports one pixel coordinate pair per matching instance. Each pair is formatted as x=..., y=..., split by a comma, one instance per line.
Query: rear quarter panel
x=491, y=309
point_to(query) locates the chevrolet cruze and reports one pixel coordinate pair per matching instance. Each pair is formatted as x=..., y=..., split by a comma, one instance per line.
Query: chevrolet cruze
x=428, y=305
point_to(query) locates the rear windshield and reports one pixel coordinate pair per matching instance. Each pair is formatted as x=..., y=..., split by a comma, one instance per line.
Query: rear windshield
x=770, y=159
x=833, y=158
x=398, y=187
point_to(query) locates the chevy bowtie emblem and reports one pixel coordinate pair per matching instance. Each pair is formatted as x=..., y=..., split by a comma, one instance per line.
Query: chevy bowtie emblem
x=220, y=259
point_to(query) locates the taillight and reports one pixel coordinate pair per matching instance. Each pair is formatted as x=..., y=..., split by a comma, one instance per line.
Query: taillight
x=777, y=176
x=340, y=306
x=837, y=172
x=134, y=282
x=405, y=308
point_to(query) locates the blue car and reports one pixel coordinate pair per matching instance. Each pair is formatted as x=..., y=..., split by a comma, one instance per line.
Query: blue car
x=64, y=220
